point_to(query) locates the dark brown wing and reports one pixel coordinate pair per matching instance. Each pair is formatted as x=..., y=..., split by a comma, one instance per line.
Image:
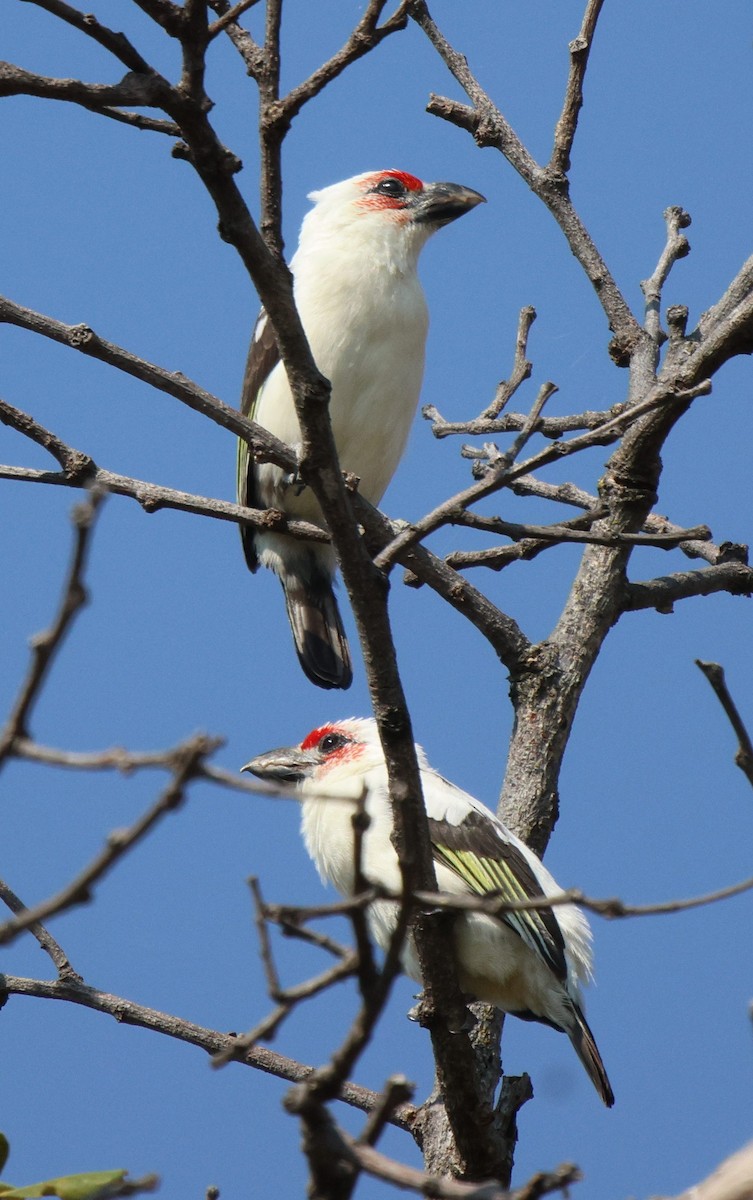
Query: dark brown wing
x=476, y=852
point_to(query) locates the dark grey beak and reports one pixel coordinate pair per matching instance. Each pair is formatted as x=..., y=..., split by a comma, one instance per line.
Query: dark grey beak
x=289, y=764
x=440, y=203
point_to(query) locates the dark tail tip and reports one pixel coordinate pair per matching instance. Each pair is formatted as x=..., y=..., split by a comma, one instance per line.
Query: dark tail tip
x=318, y=631
x=586, y=1049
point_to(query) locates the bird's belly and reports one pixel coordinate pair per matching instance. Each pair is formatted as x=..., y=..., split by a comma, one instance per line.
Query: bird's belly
x=496, y=966
x=372, y=408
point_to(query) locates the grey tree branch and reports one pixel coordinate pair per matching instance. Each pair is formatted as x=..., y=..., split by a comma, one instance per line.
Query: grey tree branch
x=79, y=891
x=116, y=43
x=173, y=383
x=230, y=16
x=676, y=247
x=153, y=498
x=45, y=645
x=502, y=475
x=548, y=427
x=744, y=753
x=547, y=678
x=46, y=940
x=736, y=578
x=580, y=47
x=489, y=128
x=213, y=1042
x=538, y=537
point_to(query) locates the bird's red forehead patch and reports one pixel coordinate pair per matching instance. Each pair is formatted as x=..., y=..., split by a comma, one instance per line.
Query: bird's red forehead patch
x=315, y=736
x=341, y=749
x=409, y=181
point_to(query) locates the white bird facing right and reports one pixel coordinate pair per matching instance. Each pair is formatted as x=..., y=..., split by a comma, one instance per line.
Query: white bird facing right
x=529, y=963
x=364, y=314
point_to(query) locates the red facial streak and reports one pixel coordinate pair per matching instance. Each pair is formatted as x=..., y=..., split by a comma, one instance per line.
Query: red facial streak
x=409, y=181
x=315, y=736
x=334, y=758
x=375, y=200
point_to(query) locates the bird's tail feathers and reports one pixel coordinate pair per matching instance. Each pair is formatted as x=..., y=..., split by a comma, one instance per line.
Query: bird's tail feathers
x=585, y=1047
x=318, y=632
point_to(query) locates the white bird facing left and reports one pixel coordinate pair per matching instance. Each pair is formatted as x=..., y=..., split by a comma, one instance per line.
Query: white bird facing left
x=364, y=314
x=530, y=963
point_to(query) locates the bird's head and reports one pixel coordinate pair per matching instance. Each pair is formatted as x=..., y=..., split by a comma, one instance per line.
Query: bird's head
x=384, y=208
x=341, y=750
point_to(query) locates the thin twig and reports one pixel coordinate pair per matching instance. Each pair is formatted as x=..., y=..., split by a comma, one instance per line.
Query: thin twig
x=529, y=425
x=231, y=16
x=521, y=367
x=46, y=644
x=744, y=753
x=495, y=479
x=676, y=247
x=129, y=1013
x=662, y=593
x=117, y=43
x=548, y=427
x=153, y=497
x=397, y=1090
x=538, y=537
x=46, y=940
x=612, y=908
x=490, y=128
x=286, y=998
x=83, y=339
x=580, y=48
x=78, y=891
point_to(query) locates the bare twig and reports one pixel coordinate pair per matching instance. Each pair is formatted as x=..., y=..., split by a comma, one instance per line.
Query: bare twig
x=86, y=23
x=286, y=998
x=425, y=1184
x=489, y=128
x=107, y=99
x=366, y=35
x=611, y=908
x=676, y=247
x=548, y=427
x=46, y=940
x=213, y=1042
x=45, y=645
x=397, y=1090
x=153, y=497
x=78, y=891
x=173, y=383
x=568, y=493
x=292, y=924
x=230, y=16
x=529, y=425
x=545, y=1182
x=506, y=389
x=538, y=537
x=744, y=753
x=662, y=593
x=521, y=367
x=494, y=479
x=580, y=47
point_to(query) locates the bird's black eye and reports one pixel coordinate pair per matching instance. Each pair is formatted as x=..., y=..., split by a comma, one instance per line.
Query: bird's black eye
x=391, y=187
x=331, y=742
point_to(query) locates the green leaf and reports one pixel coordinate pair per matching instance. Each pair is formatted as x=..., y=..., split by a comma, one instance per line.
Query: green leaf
x=92, y=1185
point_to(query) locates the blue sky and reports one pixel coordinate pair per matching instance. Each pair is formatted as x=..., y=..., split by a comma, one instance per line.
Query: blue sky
x=100, y=225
